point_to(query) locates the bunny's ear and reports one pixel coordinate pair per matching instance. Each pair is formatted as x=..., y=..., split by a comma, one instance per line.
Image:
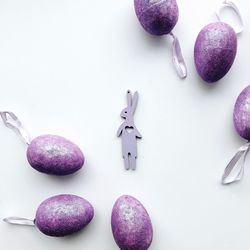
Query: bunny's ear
x=129, y=98
x=135, y=101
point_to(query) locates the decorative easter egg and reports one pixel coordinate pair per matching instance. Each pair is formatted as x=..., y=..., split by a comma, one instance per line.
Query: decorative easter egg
x=131, y=224
x=63, y=215
x=241, y=115
x=215, y=50
x=158, y=17
x=52, y=154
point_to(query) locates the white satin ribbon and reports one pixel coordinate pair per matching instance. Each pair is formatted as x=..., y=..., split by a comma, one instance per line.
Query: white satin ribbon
x=235, y=168
x=19, y=221
x=177, y=58
x=235, y=9
x=11, y=121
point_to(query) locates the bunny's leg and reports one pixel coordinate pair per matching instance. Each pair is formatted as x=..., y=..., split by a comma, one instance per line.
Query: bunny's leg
x=126, y=161
x=133, y=162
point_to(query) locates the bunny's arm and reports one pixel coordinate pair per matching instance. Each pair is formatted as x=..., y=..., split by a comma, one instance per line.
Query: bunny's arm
x=119, y=132
x=138, y=134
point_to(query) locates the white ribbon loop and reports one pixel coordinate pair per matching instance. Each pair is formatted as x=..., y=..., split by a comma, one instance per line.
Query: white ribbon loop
x=231, y=5
x=177, y=58
x=19, y=221
x=235, y=168
x=11, y=121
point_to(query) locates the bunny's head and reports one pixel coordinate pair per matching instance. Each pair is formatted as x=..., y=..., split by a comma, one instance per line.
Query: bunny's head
x=132, y=101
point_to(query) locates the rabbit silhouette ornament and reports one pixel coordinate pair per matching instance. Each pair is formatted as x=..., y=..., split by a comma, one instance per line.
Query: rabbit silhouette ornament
x=128, y=132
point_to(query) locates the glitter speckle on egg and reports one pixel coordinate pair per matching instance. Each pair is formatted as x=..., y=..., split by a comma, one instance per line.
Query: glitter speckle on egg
x=63, y=215
x=52, y=154
x=131, y=224
x=215, y=50
x=241, y=115
x=158, y=17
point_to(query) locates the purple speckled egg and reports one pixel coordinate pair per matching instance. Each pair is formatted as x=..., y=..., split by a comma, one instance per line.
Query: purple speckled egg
x=215, y=50
x=52, y=154
x=241, y=115
x=131, y=224
x=63, y=215
x=158, y=17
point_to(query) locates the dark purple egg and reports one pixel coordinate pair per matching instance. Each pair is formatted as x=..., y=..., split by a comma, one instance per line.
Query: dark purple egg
x=63, y=215
x=131, y=224
x=52, y=154
x=158, y=17
x=241, y=115
x=215, y=50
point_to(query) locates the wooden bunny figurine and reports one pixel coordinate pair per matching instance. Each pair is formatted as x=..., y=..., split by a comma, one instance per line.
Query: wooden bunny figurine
x=129, y=132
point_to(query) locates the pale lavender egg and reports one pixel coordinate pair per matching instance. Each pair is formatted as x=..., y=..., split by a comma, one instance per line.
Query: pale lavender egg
x=215, y=50
x=158, y=17
x=131, y=224
x=63, y=215
x=52, y=154
x=241, y=115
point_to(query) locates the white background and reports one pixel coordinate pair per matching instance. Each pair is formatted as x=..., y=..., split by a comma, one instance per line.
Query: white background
x=65, y=67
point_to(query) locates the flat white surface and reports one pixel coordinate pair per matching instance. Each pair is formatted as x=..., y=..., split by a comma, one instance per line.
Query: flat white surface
x=65, y=67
